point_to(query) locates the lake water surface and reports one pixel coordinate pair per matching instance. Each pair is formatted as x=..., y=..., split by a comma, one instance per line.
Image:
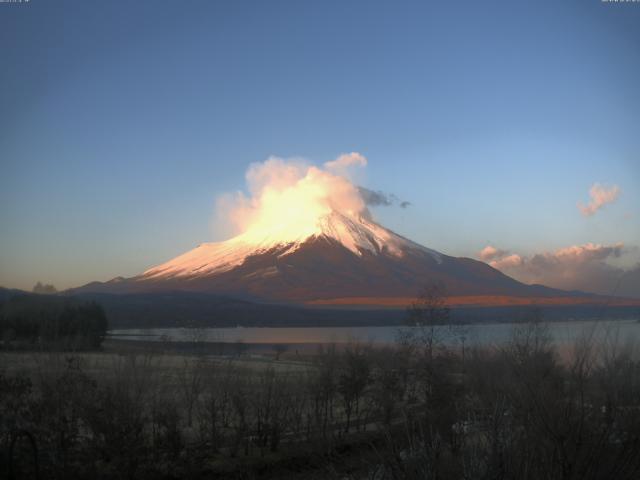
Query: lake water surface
x=619, y=331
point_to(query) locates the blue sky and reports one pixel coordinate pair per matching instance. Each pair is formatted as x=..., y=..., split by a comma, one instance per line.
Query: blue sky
x=121, y=122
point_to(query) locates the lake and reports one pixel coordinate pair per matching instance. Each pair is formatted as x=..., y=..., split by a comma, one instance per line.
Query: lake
x=620, y=331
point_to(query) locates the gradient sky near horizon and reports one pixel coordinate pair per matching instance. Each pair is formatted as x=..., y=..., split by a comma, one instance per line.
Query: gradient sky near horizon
x=121, y=122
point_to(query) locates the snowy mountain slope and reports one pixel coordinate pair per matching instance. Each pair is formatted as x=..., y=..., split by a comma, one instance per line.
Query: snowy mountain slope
x=335, y=256
x=358, y=235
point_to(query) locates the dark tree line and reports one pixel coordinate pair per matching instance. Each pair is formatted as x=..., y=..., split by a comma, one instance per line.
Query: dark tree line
x=413, y=411
x=47, y=321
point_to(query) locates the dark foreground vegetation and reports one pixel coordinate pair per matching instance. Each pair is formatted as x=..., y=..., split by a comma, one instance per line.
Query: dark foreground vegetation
x=49, y=322
x=415, y=411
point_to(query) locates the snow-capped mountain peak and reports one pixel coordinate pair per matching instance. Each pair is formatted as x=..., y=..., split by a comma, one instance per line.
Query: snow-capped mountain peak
x=354, y=232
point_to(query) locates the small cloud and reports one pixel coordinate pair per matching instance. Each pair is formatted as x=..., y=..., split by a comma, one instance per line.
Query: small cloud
x=347, y=160
x=490, y=253
x=599, y=197
x=377, y=198
x=588, y=252
x=509, y=261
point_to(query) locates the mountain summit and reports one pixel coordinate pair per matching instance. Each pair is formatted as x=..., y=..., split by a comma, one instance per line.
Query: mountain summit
x=358, y=235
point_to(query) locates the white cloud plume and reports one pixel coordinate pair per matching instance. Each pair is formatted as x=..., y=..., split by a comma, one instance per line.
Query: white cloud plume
x=346, y=160
x=508, y=261
x=577, y=267
x=490, y=252
x=599, y=196
x=286, y=197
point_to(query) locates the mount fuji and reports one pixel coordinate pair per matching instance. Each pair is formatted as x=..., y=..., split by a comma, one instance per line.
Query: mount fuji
x=333, y=259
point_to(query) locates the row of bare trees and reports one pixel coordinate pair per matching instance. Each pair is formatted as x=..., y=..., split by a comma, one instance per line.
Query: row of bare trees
x=418, y=409
x=527, y=409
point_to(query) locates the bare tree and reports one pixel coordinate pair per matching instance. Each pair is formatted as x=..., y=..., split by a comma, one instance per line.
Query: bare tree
x=216, y=412
x=426, y=315
x=279, y=349
x=190, y=381
x=354, y=377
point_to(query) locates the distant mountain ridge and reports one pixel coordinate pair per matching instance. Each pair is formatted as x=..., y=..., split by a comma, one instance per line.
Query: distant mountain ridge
x=180, y=309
